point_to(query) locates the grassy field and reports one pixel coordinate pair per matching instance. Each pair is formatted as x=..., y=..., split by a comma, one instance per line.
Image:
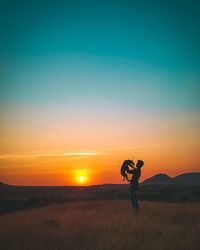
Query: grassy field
x=99, y=225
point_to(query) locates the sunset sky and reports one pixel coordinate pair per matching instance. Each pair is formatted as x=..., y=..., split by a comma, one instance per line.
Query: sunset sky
x=85, y=85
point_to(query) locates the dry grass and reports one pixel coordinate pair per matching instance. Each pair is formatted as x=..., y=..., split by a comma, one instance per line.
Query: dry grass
x=99, y=225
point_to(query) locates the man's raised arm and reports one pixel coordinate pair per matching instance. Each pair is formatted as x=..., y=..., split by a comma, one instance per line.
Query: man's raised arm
x=130, y=171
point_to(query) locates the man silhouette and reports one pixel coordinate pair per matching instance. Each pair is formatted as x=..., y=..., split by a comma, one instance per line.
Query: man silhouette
x=134, y=185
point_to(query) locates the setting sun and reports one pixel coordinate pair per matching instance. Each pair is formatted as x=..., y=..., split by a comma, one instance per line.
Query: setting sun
x=81, y=178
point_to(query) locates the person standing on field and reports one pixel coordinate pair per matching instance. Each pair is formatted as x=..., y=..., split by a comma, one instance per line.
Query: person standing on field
x=134, y=183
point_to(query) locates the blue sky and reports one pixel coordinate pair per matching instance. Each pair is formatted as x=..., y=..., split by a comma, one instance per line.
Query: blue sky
x=114, y=39
x=134, y=66
x=160, y=33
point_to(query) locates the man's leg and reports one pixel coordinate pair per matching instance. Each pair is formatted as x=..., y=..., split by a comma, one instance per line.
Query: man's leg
x=132, y=196
x=134, y=199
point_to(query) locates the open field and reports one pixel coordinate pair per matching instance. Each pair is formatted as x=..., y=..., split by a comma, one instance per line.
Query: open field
x=105, y=224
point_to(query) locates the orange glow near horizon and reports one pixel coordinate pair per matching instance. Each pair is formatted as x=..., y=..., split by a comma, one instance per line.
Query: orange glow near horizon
x=95, y=168
x=58, y=153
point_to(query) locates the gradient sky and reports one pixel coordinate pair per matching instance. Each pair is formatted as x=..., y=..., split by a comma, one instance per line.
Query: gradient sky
x=87, y=84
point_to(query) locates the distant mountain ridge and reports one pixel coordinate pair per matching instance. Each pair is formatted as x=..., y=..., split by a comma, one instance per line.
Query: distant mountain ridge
x=3, y=184
x=192, y=179
x=188, y=179
x=159, y=179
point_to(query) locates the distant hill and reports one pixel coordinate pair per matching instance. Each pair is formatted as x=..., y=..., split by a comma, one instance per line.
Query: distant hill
x=3, y=184
x=192, y=179
x=188, y=179
x=158, y=179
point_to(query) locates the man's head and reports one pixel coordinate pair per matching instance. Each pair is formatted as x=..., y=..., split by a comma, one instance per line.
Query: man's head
x=139, y=164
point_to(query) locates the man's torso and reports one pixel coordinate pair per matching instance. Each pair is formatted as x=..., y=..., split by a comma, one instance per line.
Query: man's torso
x=135, y=178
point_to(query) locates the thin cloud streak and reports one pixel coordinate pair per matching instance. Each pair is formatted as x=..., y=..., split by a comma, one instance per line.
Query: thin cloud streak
x=78, y=154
